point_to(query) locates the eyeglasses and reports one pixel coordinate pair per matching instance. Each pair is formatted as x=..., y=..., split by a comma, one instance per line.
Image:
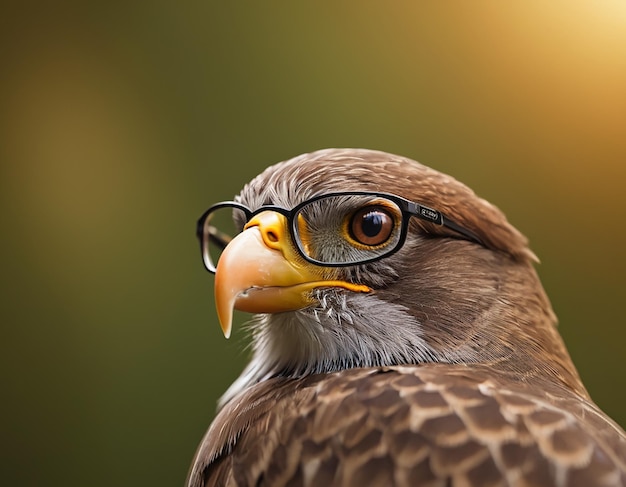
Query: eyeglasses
x=333, y=229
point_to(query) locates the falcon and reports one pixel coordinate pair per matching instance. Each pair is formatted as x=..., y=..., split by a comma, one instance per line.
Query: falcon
x=400, y=337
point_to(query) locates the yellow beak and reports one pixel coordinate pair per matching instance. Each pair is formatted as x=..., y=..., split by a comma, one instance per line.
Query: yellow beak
x=260, y=271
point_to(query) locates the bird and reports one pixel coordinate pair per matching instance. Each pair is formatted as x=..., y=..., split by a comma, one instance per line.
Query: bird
x=400, y=336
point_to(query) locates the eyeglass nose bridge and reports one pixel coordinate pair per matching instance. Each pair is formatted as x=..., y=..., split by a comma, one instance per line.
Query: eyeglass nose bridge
x=273, y=226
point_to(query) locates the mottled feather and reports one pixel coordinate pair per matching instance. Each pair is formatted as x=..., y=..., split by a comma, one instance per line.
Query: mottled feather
x=404, y=426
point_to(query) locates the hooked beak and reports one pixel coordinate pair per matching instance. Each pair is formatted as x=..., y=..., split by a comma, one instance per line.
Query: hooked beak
x=261, y=272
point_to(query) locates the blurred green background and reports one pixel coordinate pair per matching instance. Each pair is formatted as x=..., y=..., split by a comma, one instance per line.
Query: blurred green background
x=120, y=122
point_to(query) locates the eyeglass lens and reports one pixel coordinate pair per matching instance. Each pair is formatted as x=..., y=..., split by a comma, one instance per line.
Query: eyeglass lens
x=325, y=229
x=221, y=226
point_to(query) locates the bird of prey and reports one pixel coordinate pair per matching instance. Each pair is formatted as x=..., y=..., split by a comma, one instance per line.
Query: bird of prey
x=401, y=337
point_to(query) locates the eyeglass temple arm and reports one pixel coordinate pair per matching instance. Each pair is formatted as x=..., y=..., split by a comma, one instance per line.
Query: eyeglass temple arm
x=463, y=231
x=219, y=238
x=434, y=216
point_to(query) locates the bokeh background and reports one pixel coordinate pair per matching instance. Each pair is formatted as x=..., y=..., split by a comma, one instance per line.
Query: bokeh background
x=120, y=122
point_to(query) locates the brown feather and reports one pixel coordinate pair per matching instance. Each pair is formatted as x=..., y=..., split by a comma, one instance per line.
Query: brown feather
x=405, y=426
x=451, y=373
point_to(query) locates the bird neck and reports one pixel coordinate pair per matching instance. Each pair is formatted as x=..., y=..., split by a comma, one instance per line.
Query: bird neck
x=501, y=319
x=483, y=307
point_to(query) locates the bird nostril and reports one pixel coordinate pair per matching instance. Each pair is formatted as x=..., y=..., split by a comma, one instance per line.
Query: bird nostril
x=272, y=236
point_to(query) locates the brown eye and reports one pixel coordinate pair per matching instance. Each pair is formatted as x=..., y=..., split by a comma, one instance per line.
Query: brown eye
x=371, y=226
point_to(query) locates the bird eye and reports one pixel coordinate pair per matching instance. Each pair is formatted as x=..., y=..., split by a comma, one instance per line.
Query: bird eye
x=371, y=226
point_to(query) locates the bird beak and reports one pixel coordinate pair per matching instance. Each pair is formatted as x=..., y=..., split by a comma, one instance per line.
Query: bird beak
x=260, y=271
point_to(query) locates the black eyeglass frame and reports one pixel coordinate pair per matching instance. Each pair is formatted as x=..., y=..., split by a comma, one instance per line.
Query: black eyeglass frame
x=407, y=207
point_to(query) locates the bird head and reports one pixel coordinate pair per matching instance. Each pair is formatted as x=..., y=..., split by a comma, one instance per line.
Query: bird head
x=355, y=258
